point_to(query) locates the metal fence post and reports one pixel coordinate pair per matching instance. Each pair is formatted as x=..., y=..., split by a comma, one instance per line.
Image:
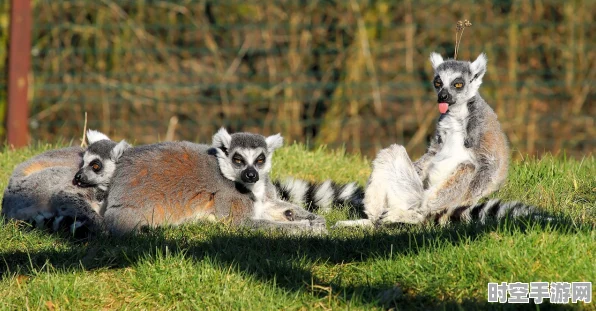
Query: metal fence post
x=19, y=57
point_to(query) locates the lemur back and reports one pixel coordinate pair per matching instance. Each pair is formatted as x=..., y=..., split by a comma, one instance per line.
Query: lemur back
x=173, y=183
x=170, y=183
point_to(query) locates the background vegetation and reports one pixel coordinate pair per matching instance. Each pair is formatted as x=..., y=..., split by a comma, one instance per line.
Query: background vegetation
x=216, y=267
x=353, y=72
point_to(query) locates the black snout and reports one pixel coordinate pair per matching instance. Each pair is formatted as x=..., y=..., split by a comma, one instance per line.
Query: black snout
x=250, y=175
x=444, y=97
x=80, y=180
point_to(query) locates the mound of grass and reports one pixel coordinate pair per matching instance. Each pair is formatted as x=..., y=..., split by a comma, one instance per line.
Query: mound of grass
x=212, y=266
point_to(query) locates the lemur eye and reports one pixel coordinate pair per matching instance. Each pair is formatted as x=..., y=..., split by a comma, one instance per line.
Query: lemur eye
x=289, y=215
x=459, y=85
x=261, y=159
x=237, y=159
x=438, y=84
x=95, y=166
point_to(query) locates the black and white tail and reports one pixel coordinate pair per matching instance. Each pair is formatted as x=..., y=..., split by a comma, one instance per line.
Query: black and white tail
x=492, y=210
x=70, y=214
x=321, y=196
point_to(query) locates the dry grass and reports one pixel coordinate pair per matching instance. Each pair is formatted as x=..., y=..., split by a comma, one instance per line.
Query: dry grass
x=348, y=72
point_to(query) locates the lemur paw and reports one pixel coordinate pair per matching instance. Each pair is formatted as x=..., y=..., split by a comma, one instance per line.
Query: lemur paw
x=42, y=220
x=318, y=227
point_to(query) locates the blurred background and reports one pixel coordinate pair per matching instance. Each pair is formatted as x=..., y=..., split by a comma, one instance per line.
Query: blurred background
x=341, y=73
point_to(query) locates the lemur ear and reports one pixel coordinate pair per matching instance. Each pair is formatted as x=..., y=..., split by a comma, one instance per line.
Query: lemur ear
x=95, y=136
x=222, y=140
x=478, y=67
x=274, y=142
x=436, y=59
x=118, y=150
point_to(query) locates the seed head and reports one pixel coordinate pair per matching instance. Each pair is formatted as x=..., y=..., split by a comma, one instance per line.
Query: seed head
x=459, y=26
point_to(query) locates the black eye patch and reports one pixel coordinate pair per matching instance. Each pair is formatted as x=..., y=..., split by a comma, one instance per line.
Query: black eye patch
x=96, y=165
x=238, y=159
x=437, y=82
x=261, y=159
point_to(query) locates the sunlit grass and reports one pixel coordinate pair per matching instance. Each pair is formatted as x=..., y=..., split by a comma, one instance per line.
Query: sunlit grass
x=213, y=266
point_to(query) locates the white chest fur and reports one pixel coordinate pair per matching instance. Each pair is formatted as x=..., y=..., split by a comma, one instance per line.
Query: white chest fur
x=258, y=189
x=452, y=130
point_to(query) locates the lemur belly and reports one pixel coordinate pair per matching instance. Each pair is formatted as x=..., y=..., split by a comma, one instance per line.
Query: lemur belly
x=452, y=153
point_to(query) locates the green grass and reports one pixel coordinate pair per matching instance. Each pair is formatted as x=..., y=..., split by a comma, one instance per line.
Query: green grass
x=215, y=267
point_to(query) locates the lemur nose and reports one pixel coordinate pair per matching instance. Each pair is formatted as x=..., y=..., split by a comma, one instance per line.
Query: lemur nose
x=77, y=179
x=250, y=176
x=443, y=96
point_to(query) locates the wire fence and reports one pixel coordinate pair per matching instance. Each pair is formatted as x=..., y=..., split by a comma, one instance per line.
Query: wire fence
x=341, y=73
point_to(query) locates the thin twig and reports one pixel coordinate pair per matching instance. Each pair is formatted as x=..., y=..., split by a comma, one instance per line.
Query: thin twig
x=84, y=141
x=459, y=41
x=455, y=54
x=172, y=128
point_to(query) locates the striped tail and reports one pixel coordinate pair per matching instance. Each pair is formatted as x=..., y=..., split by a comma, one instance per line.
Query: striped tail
x=321, y=196
x=70, y=214
x=492, y=210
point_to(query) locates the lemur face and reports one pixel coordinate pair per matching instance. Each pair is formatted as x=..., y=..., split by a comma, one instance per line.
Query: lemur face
x=456, y=82
x=99, y=161
x=243, y=157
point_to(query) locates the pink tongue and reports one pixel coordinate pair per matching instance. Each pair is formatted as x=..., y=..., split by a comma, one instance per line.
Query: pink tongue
x=443, y=107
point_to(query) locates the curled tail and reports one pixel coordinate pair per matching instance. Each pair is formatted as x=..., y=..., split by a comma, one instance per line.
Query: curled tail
x=68, y=213
x=321, y=196
x=75, y=215
x=492, y=210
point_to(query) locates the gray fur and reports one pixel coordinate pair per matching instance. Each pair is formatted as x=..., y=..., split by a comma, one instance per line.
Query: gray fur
x=248, y=141
x=180, y=182
x=40, y=191
x=256, y=153
x=102, y=148
x=247, y=148
x=467, y=158
x=483, y=137
x=485, y=169
x=105, y=153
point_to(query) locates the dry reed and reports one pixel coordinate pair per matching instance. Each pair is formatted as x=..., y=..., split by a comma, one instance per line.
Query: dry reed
x=353, y=73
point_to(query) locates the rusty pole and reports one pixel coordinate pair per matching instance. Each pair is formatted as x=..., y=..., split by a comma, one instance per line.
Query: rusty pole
x=19, y=53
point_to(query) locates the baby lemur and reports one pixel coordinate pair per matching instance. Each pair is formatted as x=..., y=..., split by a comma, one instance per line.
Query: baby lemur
x=467, y=159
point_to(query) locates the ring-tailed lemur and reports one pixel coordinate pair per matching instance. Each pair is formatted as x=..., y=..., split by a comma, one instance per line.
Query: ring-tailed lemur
x=172, y=183
x=99, y=162
x=322, y=196
x=41, y=191
x=467, y=159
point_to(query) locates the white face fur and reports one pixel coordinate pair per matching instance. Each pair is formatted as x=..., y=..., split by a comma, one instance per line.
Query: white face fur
x=456, y=82
x=99, y=161
x=245, y=158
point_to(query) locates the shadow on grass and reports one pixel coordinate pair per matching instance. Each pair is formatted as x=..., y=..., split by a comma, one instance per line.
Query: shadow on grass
x=287, y=259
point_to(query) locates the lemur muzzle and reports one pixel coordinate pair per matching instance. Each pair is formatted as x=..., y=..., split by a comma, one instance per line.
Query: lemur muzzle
x=250, y=175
